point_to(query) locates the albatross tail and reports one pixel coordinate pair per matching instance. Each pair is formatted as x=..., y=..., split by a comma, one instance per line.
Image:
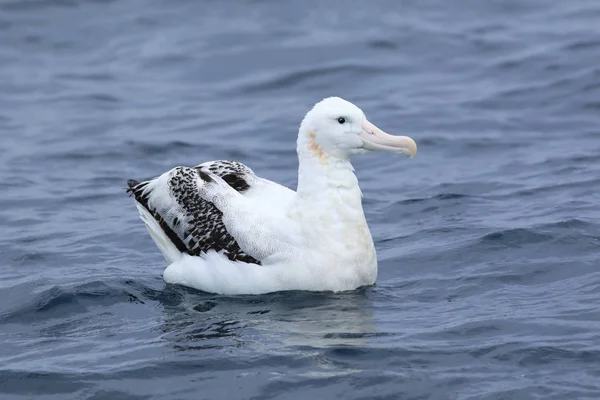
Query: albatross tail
x=164, y=238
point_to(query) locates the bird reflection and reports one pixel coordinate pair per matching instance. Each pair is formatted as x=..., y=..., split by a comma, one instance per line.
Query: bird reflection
x=268, y=323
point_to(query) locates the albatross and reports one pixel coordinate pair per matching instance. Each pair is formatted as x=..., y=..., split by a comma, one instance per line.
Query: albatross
x=223, y=229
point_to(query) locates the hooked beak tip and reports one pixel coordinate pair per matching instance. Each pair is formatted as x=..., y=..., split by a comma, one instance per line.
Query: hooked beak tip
x=377, y=140
x=412, y=148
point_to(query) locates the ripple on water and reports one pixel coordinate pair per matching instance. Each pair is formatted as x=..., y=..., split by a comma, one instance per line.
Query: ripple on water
x=487, y=241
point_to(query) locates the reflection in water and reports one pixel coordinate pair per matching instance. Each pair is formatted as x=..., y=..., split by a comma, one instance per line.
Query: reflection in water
x=273, y=323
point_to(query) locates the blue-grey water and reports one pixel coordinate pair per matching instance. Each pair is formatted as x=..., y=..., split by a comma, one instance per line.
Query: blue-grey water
x=488, y=241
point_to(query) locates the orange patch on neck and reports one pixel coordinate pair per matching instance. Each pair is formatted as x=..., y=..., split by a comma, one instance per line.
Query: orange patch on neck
x=315, y=149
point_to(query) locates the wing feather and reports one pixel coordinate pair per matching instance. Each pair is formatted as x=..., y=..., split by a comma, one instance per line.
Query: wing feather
x=193, y=225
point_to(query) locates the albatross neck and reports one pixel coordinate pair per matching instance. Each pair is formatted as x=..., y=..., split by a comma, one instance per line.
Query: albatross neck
x=320, y=173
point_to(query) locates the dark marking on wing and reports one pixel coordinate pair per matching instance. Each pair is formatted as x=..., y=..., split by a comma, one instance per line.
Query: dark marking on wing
x=236, y=182
x=201, y=227
x=137, y=189
x=204, y=176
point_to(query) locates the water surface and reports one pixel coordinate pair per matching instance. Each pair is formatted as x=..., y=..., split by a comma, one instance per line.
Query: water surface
x=488, y=241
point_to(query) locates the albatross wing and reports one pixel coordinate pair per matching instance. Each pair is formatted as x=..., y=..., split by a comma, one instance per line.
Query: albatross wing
x=181, y=222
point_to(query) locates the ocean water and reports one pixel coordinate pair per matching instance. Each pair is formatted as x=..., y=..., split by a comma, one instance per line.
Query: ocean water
x=488, y=241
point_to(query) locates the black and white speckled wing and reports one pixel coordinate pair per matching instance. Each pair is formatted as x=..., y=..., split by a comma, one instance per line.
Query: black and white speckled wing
x=171, y=204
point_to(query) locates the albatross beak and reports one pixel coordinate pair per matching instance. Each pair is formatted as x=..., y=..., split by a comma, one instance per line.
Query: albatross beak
x=377, y=140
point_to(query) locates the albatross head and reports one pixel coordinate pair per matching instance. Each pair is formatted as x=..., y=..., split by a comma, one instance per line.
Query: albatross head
x=335, y=127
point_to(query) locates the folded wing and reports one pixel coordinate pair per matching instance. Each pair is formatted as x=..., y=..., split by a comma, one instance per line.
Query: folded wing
x=181, y=222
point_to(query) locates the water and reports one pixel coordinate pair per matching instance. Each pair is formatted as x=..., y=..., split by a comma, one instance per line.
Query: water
x=488, y=241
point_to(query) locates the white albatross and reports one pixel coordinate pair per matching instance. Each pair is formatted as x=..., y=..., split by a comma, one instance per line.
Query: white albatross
x=222, y=229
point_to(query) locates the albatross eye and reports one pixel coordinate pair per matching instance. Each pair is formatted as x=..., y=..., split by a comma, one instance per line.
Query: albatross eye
x=341, y=120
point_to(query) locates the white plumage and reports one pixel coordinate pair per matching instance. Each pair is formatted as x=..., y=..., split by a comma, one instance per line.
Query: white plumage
x=224, y=230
